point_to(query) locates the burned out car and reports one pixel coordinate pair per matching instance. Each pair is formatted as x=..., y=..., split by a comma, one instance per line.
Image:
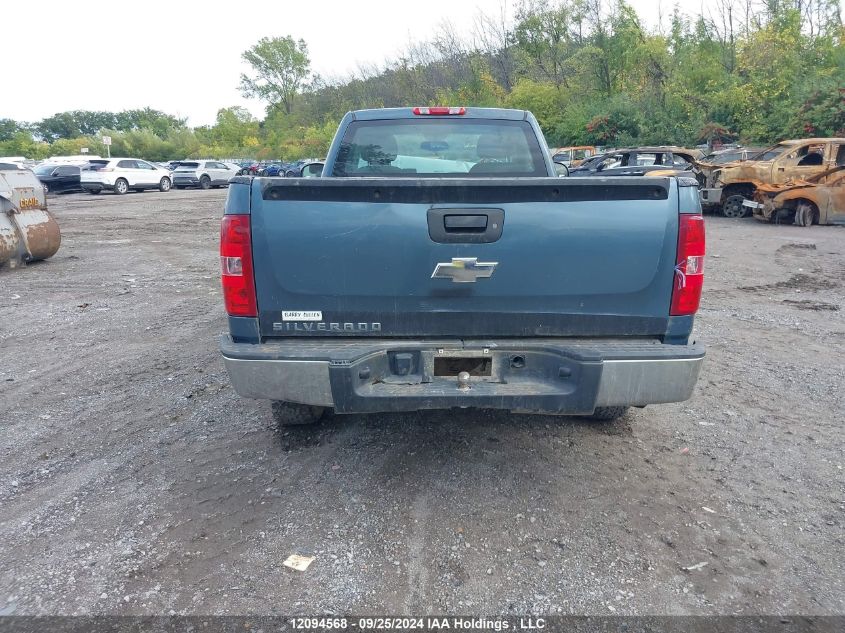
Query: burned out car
x=818, y=199
x=731, y=185
x=573, y=155
x=639, y=161
x=730, y=155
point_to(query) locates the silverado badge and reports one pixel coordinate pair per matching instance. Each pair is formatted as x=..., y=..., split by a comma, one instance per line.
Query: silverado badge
x=463, y=270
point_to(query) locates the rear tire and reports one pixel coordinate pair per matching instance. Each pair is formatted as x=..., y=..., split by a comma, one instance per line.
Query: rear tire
x=205, y=182
x=806, y=214
x=121, y=186
x=95, y=192
x=606, y=414
x=733, y=207
x=164, y=184
x=293, y=414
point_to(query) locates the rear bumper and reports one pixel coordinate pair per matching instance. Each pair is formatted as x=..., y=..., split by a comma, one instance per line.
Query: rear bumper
x=710, y=196
x=96, y=186
x=538, y=375
x=763, y=211
x=186, y=181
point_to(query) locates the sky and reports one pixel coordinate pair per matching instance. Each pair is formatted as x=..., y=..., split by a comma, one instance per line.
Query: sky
x=184, y=58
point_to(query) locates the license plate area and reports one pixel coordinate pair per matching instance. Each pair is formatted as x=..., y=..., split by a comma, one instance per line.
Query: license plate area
x=446, y=366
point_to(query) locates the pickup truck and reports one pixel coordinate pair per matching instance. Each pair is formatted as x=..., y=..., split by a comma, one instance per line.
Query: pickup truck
x=439, y=262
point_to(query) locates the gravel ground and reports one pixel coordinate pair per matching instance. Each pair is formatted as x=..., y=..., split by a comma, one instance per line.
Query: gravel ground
x=133, y=480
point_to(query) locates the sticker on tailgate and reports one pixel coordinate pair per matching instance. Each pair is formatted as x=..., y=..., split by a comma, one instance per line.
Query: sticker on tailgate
x=302, y=315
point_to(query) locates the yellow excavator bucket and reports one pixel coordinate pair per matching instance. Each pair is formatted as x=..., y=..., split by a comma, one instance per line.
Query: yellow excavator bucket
x=27, y=229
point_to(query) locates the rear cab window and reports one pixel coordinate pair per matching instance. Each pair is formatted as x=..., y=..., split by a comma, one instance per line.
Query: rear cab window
x=441, y=148
x=95, y=165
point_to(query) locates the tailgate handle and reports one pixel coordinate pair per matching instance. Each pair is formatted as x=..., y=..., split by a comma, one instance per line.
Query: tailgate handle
x=465, y=226
x=468, y=223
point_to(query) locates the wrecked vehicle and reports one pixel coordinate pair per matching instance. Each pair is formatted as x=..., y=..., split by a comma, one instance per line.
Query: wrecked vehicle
x=27, y=230
x=731, y=185
x=730, y=155
x=704, y=168
x=818, y=199
x=640, y=161
x=574, y=155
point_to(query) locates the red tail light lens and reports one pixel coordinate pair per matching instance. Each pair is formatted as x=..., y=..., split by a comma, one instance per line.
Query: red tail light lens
x=440, y=110
x=689, y=271
x=236, y=266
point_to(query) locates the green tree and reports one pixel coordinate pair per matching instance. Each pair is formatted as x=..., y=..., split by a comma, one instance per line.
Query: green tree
x=618, y=125
x=156, y=121
x=22, y=144
x=544, y=38
x=9, y=128
x=280, y=66
x=543, y=99
x=60, y=125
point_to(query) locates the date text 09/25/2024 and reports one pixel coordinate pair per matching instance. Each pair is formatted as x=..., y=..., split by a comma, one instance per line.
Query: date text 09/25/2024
x=432, y=623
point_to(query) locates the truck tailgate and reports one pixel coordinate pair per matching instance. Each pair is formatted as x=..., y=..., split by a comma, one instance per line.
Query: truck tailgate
x=464, y=257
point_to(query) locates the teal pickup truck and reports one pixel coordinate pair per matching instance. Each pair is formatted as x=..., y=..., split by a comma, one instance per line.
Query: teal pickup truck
x=440, y=261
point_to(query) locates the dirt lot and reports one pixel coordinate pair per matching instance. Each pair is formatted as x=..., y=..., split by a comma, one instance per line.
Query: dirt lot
x=134, y=480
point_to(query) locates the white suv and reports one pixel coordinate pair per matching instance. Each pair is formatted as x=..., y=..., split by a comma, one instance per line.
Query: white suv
x=122, y=174
x=203, y=174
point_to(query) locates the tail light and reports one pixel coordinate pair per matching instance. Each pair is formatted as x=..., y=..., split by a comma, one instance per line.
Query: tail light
x=689, y=271
x=236, y=266
x=438, y=110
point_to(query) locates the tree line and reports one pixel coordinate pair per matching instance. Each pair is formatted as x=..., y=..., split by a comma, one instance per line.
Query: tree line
x=754, y=71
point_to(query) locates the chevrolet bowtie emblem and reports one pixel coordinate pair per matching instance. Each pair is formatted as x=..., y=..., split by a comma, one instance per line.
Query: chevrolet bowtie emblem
x=464, y=270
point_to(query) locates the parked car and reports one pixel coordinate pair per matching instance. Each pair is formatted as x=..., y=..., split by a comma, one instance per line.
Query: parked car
x=78, y=159
x=59, y=178
x=639, y=161
x=819, y=199
x=203, y=174
x=124, y=174
x=307, y=170
x=249, y=169
x=16, y=160
x=410, y=277
x=272, y=169
x=573, y=156
x=729, y=186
